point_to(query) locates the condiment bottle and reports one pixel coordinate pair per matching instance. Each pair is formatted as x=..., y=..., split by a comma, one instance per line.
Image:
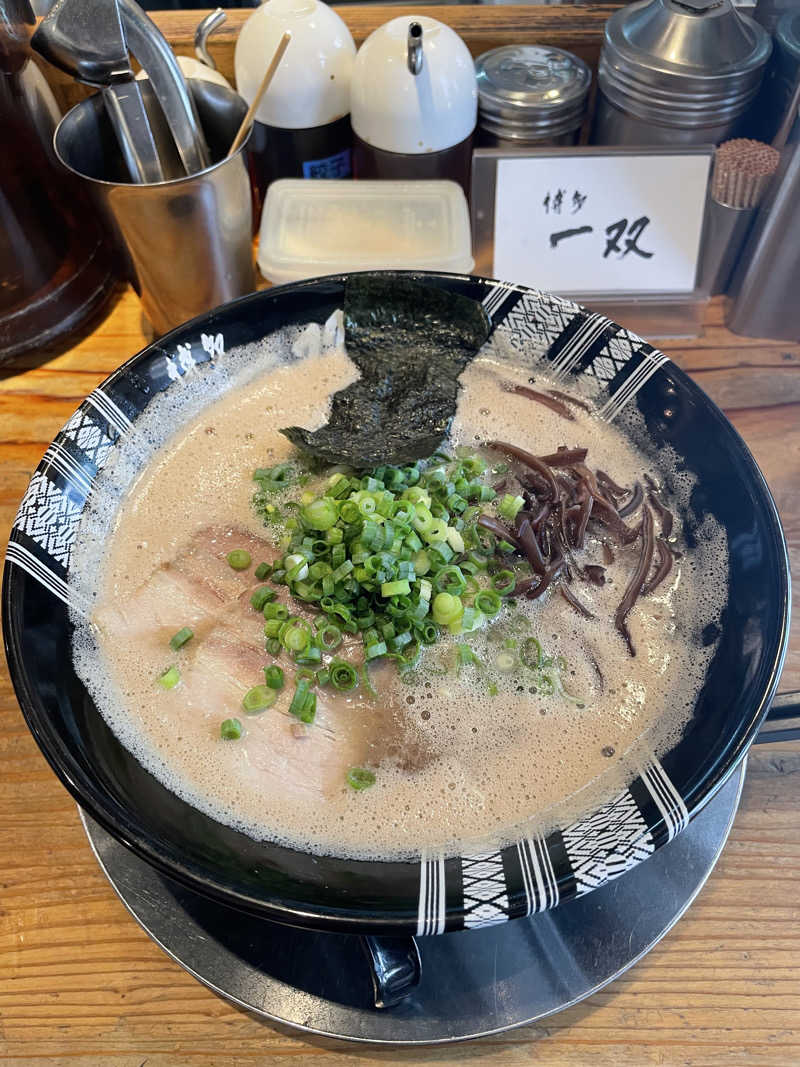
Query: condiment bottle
x=677, y=72
x=414, y=102
x=55, y=261
x=530, y=94
x=302, y=125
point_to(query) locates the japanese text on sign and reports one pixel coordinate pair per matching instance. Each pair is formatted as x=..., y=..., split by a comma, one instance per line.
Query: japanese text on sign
x=594, y=223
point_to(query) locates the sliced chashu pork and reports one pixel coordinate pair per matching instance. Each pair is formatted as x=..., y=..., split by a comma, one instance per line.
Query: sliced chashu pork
x=226, y=657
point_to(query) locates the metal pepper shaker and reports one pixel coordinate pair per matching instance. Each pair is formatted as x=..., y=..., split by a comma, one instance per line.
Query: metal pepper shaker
x=530, y=94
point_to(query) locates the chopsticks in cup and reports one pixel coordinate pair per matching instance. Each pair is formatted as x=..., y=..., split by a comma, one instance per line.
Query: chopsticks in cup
x=269, y=74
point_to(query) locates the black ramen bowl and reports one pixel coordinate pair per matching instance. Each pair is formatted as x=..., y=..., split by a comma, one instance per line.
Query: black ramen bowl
x=432, y=894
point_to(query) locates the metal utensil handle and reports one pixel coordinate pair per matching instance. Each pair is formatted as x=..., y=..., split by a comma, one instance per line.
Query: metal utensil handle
x=124, y=104
x=395, y=967
x=148, y=45
x=783, y=719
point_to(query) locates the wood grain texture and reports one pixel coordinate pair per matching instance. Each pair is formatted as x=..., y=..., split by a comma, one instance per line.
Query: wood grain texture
x=82, y=985
x=566, y=26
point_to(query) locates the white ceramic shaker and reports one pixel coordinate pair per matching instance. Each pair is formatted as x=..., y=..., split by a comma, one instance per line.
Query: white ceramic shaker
x=302, y=125
x=413, y=102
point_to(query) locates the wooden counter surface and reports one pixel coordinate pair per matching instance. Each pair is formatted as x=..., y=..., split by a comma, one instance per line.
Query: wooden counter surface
x=81, y=984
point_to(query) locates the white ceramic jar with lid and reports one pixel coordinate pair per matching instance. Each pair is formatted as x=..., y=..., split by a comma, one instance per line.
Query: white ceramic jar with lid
x=302, y=125
x=413, y=102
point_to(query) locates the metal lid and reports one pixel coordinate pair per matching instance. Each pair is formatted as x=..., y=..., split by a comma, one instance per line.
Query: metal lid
x=531, y=92
x=682, y=62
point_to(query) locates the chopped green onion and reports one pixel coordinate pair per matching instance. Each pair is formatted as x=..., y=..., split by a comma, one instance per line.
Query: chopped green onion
x=398, y=588
x=447, y=608
x=296, y=639
x=273, y=479
x=230, y=730
x=505, y=662
x=262, y=571
x=509, y=506
x=170, y=678
x=422, y=562
x=376, y=551
x=301, y=694
x=455, y=540
x=179, y=639
x=531, y=653
x=465, y=656
x=275, y=611
x=488, y=602
x=259, y=698
x=329, y=636
x=320, y=514
x=343, y=675
x=273, y=676
x=239, y=559
x=450, y=580
x=310, y=655
x=296, y=567
x=503, y=582
x=472, y=619
x=358, y=778
x=545, y=685
x=309, y=711
x=262, y=596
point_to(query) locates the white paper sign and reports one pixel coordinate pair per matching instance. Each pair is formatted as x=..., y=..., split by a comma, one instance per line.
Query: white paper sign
x=593, y=223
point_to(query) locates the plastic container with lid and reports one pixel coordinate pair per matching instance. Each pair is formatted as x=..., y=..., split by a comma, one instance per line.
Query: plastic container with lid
x=317, y=228
x=531, y=94
x=302, y=126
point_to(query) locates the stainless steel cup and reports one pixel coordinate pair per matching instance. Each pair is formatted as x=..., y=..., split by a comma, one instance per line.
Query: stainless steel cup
x=187, y=243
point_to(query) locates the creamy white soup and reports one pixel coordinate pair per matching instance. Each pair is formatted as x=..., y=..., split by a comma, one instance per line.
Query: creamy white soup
x=460, y=752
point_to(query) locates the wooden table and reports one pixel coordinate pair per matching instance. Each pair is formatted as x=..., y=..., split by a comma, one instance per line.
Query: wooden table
x=81, y=984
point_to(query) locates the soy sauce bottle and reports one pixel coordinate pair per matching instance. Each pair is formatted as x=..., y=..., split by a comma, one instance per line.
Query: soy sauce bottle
x=414, y=103
x=302, y=127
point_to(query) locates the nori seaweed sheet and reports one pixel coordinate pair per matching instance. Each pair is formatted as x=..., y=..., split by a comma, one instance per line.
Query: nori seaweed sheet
x=410, y=341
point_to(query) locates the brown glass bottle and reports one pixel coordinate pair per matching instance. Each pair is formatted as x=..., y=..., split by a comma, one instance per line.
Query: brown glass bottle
x=55, y=266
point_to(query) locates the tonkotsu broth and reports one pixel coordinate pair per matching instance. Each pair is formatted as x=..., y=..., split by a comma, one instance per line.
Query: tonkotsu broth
x=453, y=765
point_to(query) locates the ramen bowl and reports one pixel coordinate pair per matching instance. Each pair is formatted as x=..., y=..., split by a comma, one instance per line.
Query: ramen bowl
x=432, y=893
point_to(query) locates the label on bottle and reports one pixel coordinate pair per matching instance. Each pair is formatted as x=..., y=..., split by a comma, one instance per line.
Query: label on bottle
x=337, y=166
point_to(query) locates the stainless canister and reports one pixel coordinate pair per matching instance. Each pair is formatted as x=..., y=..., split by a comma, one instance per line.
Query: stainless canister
x=780, y=79
x=677, y=72
x=531, y=94
x=186, y=243
x=764, y=286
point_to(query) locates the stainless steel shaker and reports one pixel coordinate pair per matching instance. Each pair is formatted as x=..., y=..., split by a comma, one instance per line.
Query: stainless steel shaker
x=677, y=72
x=530, y=94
